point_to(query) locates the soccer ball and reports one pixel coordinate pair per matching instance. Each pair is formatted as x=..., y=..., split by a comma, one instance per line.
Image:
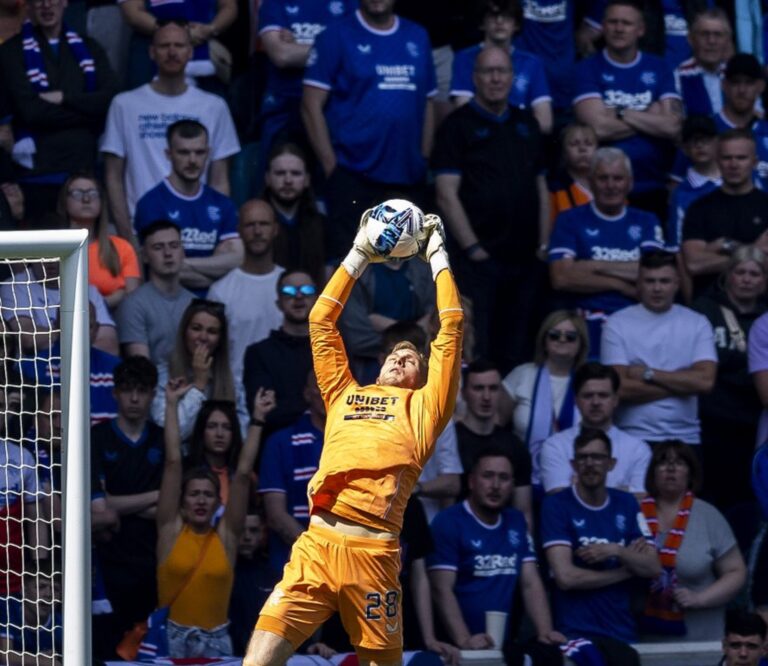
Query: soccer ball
x=394, y=229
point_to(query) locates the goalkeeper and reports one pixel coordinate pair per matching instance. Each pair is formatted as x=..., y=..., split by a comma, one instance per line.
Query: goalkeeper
x=377, y=439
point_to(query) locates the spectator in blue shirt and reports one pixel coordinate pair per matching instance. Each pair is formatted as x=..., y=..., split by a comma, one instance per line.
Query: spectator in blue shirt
x=207, y=218
x=594, y=249
x=368, y=111
x=596, y=540
x=482, y=551
x=630, y=100
x=501, y=20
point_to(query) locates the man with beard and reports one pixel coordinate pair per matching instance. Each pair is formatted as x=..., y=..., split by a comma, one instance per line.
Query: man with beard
x=596, y=388
x=301, y=241
x=207, y=218
x=596, y=540
x=248, y=291
x=482, y=552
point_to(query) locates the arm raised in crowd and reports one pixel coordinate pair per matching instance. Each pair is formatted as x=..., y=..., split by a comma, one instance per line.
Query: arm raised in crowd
x=231, y=525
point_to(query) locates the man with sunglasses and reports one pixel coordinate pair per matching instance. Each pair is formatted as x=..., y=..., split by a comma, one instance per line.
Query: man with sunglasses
x=596, y=540
x=596, y=390
x=377, y=440
x=282, y=361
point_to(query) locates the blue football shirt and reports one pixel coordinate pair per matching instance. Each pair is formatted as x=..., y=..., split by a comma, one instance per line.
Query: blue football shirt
x=291, y=457
x=205, y=220
x=305, y=20
x=529, y=87
x=584, y=232
x=487, y=559
x=636, y=86
x=567, y=521
x=379, y=82
x=547, y=32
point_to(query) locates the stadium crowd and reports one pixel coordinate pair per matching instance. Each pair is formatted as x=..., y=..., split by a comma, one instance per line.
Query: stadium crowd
x=601, y=167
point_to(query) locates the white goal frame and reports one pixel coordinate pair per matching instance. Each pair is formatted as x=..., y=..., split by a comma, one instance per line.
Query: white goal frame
x=71, y=248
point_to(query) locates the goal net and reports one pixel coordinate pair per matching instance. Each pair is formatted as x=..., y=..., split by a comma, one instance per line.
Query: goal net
x=44, y=443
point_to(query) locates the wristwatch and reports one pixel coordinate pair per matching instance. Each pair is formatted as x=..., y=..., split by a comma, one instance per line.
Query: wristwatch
x=619, y=110
x=728, y=246
x=648, y=375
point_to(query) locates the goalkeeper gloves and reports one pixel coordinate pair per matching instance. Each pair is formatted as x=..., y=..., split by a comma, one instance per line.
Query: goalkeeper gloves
x=362, y=253
x=433, y=249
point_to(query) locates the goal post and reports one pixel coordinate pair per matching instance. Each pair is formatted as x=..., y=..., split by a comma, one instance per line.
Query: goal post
x=70, y=248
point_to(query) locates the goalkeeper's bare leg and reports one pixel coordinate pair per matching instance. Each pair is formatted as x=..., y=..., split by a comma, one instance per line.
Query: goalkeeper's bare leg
x=267, y=649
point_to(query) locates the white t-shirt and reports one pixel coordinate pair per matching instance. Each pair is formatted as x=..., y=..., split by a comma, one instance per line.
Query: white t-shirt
x=251, y=307
x=136, y=125
x=444, y=460
x=671, y=340
x=632, y=458
x=520, y=384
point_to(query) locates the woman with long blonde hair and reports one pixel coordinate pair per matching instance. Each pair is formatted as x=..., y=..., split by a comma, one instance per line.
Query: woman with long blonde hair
x=201, y=357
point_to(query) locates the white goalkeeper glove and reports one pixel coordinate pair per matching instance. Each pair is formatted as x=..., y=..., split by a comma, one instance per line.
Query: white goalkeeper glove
x=433, y=249
x=362, y=252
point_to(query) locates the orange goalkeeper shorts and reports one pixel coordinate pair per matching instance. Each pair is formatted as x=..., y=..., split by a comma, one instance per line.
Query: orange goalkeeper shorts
x=329, y=571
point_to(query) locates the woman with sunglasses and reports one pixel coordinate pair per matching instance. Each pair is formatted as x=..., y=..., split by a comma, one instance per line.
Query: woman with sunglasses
x=542, y=399
x=702, y=566
x=113, y=267
x=201, y=356
x=195, y=560
x=729, y=414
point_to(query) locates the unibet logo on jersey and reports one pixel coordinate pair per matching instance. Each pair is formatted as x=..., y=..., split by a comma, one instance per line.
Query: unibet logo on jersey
x=396, y=77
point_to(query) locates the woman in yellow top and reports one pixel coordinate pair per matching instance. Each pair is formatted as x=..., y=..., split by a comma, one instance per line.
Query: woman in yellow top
x=113, y=267
x=196, y=561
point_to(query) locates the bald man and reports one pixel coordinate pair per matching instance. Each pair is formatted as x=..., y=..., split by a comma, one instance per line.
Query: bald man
x=248, y=291
x=495, y=206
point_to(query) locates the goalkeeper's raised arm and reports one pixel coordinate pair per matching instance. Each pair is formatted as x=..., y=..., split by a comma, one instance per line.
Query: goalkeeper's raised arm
x=331, y=362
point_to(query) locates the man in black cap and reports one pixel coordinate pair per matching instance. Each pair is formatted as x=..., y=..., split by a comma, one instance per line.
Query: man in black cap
x=743, y=83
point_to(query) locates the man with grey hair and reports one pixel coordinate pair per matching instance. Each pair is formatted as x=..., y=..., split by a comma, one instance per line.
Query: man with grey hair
x=699, y=78
x=594, y=249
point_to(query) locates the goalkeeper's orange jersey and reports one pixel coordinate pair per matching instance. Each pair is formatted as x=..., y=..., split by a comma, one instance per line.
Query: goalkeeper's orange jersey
x=377, y=438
